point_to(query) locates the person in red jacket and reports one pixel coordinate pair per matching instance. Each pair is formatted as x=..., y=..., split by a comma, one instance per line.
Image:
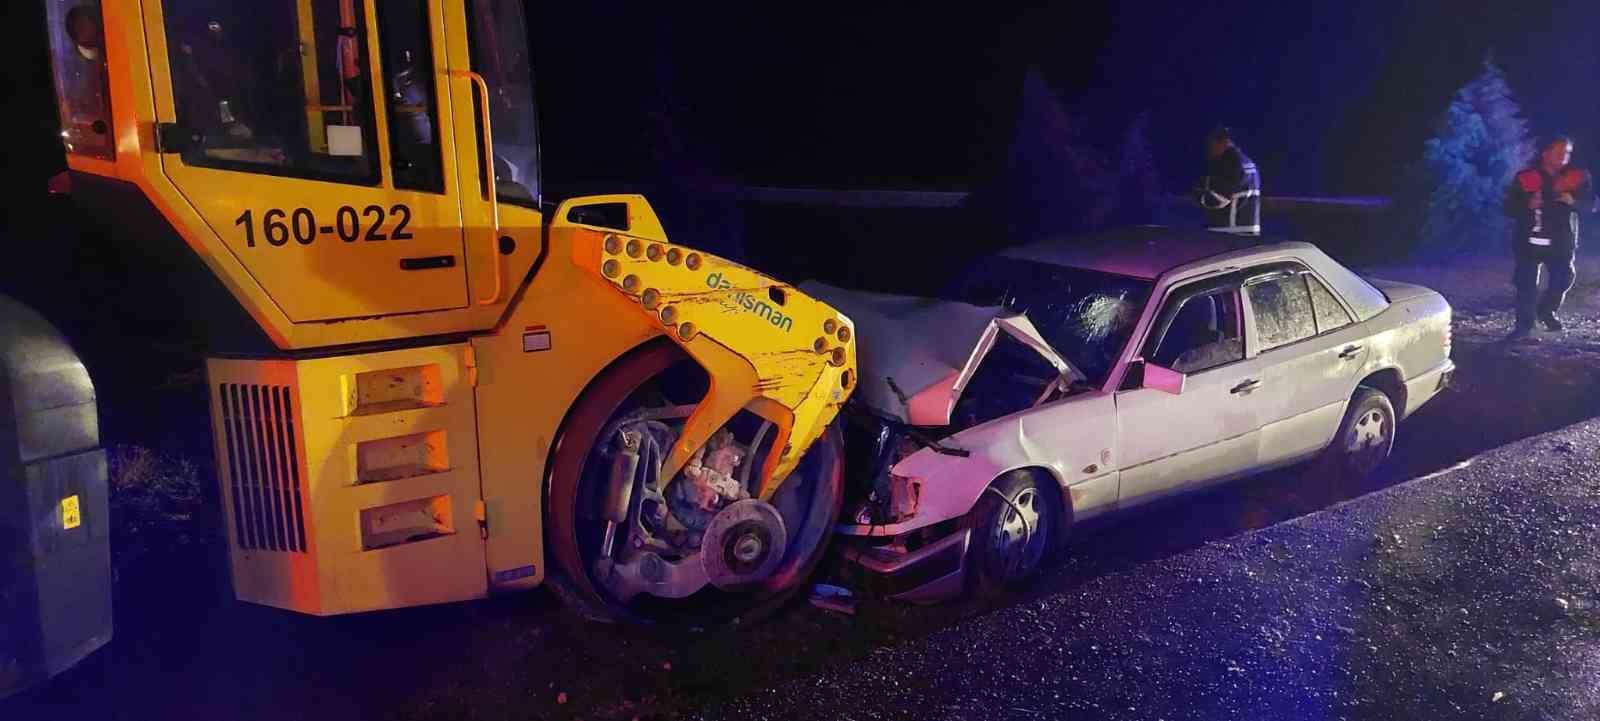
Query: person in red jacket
x=1545, y=203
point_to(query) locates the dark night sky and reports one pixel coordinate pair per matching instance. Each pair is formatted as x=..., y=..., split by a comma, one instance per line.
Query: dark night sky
x=1328, y=96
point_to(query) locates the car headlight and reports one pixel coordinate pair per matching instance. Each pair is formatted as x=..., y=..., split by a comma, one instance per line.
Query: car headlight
x=893, y=504
x=905, y=495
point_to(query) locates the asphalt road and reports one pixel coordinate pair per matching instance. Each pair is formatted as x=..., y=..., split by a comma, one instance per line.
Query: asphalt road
x=1417, y=595
x=1473, y=593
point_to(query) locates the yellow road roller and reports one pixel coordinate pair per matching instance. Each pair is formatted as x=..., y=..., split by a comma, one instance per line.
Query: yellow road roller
x=455, y=388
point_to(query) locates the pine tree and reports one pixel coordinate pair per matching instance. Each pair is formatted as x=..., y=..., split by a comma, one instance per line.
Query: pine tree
x=1481, y=142
x=1511, y=144
x=1054, y=183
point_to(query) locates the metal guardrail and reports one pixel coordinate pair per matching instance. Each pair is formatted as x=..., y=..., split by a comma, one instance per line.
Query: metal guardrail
x=834, y=198
x=839, y=198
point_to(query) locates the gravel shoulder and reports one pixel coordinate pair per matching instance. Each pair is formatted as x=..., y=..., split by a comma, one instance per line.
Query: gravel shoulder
x=1480, y=291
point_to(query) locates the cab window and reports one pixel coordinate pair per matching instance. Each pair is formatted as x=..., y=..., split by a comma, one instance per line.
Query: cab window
x=408, y=77
x=498, y=35
x=78, y=58
x=1282, y=310
x=273, y=86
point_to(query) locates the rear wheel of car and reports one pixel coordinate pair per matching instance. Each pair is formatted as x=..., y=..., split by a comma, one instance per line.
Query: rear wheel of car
x=1365, y=437
x=1014, y=525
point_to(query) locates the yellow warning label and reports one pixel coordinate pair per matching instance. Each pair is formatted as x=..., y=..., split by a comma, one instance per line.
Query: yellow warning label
x=71, y=514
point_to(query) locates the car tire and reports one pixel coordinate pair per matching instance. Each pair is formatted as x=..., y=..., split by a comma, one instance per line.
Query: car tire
x=1365, y=437
x=1015, y=525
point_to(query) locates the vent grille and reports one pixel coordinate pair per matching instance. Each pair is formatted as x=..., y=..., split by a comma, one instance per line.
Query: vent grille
x=264, y=464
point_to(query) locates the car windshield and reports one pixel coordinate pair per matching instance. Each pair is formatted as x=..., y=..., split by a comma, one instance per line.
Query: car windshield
x=1086, y=315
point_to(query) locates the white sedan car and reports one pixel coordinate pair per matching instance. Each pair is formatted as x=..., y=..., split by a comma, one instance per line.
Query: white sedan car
x=1060, y=382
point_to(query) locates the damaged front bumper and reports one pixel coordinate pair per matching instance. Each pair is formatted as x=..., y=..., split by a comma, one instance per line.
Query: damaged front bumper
x=909, y=568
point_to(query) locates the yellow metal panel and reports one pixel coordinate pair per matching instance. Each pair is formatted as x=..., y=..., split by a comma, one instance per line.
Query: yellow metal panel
x=379, y=93
x=524, y=396
x=284, y=580
x=767, y=345
x=428, y=571
x=339, y=572
x=309, y=77
x=330, y=278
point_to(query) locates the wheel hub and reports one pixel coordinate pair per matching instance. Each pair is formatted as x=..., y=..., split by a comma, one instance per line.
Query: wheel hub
x=1368, y=432
x=1018, y=537
x=749, y=548
x=743, y=544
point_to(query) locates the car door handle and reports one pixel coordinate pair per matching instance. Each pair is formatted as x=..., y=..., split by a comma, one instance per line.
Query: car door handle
x=1246, y=386
x=1349, y=352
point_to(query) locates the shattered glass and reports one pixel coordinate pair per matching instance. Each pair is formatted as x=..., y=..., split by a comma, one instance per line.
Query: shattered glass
x=1330, y=315
x=1283, y=311
x=1085, y=315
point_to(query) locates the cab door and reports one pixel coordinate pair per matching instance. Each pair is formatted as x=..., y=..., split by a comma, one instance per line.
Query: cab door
x=307, y=134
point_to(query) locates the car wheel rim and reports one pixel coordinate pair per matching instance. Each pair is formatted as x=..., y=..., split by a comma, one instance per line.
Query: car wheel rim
x=1368, y=440
x=1018, y=535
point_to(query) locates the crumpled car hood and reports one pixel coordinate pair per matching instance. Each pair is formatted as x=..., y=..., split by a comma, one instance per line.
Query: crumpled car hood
x=919, y=343
x=916, y=354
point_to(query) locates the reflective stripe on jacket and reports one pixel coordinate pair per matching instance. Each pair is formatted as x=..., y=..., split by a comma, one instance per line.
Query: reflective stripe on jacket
x=1232, y=193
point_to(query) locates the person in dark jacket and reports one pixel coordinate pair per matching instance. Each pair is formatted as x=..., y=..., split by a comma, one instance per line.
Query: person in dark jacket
x=1231, y=190
x=1545, y=203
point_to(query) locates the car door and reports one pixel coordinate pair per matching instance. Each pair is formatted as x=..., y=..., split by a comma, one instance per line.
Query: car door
x=1208, y=432
x=1310, y=351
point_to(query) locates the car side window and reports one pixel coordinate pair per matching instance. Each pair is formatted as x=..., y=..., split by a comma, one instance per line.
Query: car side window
x=1205, y=333
x=1330, y=314
x=1282, y=309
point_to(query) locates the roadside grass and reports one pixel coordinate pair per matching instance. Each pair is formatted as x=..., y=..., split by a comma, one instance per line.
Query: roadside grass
x=157, y=503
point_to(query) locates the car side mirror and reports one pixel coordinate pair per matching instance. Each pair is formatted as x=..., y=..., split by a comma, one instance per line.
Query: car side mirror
x=1163, y=379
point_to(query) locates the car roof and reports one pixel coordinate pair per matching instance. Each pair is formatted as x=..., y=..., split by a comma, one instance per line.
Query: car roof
x=1144, y=251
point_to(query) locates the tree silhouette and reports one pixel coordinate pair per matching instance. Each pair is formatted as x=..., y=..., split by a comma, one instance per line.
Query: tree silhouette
x=1481, y=142
x=685, y=179
x=1139, y=183
x=1053, y=182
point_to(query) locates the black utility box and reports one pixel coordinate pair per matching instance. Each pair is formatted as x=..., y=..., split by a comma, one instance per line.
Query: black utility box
x=55, y=558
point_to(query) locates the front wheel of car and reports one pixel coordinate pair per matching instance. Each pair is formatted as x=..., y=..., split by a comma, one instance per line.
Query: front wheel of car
x=1014, y=525
x=1366, y=436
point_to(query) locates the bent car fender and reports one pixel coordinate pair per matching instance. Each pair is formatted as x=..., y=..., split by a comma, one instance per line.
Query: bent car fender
x=1071, y=439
